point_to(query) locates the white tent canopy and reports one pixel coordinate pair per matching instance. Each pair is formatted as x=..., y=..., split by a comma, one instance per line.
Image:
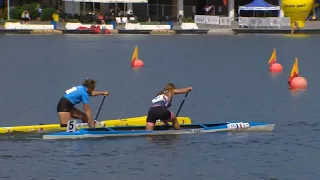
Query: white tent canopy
x=258, y=5
x=258, y=8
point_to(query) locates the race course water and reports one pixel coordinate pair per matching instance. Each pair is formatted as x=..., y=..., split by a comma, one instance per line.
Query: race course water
x=230, y=80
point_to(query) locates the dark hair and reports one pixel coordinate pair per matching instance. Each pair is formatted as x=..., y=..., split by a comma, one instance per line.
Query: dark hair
x=167, y=88
x=90, y=84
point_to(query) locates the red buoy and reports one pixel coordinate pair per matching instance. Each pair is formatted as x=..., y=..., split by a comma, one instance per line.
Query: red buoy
x=298, y=83
x=295, y=80
x=135, y=61
x=275, y=67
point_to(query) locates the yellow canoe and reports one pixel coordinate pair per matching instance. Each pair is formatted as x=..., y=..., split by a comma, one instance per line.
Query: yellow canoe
x=135, y=121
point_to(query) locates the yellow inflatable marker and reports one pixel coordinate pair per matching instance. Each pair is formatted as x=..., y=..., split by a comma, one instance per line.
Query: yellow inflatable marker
x=297, y=10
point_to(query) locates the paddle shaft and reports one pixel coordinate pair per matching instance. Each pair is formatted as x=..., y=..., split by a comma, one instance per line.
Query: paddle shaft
x=104, y=97
x=185, y=97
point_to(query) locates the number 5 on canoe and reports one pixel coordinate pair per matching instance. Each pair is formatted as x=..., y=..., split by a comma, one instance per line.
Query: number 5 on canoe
x=71, y=127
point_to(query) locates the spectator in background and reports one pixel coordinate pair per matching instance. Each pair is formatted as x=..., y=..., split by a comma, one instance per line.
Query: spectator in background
x=129, y=12
x=39, y=9
x=56, y=16
x=62, y=15
x=101, y=19
x=112, y=13
x=294, y=27
x=179, y=18
x=25, y=16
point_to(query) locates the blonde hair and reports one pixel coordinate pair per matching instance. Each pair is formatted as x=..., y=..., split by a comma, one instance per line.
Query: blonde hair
x=168, y=88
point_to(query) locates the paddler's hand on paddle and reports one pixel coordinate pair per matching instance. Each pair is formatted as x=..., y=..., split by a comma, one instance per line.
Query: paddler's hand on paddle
x=97, y=123
x=189, y=89
x=91, y=124
x=106, y=93
x=97, y=93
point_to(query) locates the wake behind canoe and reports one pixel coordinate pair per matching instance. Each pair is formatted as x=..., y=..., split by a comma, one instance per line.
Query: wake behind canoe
x=135, y=121
x=140, y=131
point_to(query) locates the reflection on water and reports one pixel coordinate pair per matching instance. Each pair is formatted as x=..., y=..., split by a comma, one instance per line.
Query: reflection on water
x=20, y=136
x=297, y=93
x=303, y=36
x=164, y=140
x=135, y=69
x=85, y=38
x=274, y=74
x=238, y=134
x=70, y=147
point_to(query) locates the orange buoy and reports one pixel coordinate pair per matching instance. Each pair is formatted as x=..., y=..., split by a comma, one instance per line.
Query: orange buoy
x=274, y=66
x=135, y=61
x=298, y=83
x=295, y=80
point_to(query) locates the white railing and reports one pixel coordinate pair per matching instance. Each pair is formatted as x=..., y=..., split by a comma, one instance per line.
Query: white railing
x=247, y=22
x=203, y=19
x=268, y=22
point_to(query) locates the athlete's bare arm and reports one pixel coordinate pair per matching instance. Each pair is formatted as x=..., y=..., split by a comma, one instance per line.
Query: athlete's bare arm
x=98, y=93
x=88, y=112
x=182, y=90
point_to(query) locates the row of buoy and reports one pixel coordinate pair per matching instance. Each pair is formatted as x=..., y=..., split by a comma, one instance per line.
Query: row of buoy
x=295, y=81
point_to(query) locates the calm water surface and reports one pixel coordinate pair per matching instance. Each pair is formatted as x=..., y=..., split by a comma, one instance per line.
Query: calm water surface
x=230, y=78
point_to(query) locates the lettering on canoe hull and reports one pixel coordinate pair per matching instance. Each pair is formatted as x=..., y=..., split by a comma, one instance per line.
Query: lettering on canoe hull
x=238, y=125
x=195, y=131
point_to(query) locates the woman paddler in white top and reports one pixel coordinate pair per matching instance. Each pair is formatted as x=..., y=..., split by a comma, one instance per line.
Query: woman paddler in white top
x=160, y=105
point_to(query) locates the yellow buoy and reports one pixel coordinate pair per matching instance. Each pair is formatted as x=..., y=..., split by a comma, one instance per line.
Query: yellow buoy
x=297, y=10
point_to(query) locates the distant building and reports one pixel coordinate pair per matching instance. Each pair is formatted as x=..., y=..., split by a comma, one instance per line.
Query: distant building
x=155, y=8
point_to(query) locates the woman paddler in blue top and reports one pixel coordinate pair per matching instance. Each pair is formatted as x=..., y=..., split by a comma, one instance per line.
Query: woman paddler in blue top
x=160, y=104
x=74, y=96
